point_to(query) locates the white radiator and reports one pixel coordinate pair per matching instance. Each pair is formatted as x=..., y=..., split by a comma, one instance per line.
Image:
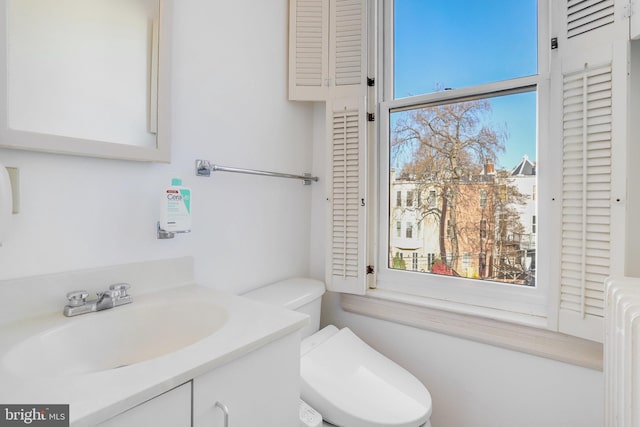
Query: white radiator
x=622, y=352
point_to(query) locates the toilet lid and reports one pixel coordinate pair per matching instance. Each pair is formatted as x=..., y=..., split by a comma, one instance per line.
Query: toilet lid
x=353, y=385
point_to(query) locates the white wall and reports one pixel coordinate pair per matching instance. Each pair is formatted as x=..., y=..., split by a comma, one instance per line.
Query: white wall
x=229, y=106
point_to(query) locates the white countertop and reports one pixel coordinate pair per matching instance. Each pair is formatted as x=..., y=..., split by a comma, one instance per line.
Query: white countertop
x=97, y=396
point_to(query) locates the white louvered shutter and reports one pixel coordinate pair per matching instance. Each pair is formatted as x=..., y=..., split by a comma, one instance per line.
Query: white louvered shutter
x=584, y=16
x=327, y=49
x=308, y=49
x=346, y=128
x=593, y=90
x=586, y=194
x=347, y=48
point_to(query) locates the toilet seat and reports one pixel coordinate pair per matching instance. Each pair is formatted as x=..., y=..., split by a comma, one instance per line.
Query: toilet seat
x=352, y=385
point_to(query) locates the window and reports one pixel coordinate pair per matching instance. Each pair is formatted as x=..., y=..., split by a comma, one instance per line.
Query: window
x=461, y=125
x=431, y=257
x=432, y=199
x=475, y=146
x=466, y=264
x=478, y=145
x=483, y=199
x=533, y=224
x=409, y=230
x=566, y=104
x=443, y=45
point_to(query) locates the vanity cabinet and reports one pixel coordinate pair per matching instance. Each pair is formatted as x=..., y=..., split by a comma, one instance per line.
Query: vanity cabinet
x=258, y=389
x=211, y=347
x=170, y=409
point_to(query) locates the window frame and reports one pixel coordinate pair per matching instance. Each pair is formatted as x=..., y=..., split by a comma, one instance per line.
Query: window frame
x=520, y=304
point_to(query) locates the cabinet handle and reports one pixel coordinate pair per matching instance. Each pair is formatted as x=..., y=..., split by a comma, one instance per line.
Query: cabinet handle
x=225, y=412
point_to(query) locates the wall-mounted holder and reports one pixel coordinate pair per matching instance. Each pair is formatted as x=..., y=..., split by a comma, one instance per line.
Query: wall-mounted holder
x=205, y=167
x=164, y=234
x=6, y=202
x=14, y=179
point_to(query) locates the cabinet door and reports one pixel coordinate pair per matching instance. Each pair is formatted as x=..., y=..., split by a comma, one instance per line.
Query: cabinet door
x=348, y=48
x=258, y=389
x=170, y=409
x=308, y=49
x=327, y=49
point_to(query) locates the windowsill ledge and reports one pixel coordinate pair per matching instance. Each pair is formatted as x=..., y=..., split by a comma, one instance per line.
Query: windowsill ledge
x=390, y=306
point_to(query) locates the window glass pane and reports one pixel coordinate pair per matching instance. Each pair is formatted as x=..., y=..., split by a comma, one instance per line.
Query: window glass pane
x=474, y=162
x=440, y=44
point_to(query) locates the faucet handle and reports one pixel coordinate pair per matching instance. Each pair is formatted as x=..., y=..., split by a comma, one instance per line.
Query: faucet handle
x=121, y=288
x=77, y=298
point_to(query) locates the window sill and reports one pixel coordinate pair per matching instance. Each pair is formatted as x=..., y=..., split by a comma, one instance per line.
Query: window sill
x=417, y=312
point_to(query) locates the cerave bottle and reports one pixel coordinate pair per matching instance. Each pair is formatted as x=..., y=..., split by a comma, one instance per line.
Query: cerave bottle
x=175, y=208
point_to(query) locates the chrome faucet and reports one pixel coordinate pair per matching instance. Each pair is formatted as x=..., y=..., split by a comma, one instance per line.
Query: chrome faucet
x=115, y=296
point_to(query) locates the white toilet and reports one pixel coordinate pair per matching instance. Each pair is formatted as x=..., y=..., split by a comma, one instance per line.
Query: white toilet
x=346, y=381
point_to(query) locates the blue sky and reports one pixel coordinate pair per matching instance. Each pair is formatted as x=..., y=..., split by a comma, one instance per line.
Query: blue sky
x=452, y=44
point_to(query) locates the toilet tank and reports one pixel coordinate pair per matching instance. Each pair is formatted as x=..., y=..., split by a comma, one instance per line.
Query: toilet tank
x=300, y=294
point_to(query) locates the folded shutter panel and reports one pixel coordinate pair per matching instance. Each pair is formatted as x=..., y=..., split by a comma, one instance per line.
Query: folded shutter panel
x=308, y=49
x=327, y=49
x=593, y=88
x=586, y=193
x=347, y=196
x=348, y=65
x=587, y=15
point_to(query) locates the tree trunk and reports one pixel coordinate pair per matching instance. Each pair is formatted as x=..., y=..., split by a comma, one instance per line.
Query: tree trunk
x=443, y=227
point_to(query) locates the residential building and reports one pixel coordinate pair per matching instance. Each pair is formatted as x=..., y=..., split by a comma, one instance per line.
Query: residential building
x=489, y=234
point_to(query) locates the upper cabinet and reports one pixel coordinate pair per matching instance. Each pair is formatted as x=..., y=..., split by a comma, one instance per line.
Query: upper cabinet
x=86, y=78
x=327, y=49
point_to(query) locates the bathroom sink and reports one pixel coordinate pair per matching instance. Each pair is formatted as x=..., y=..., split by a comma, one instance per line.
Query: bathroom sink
x=114, y=338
